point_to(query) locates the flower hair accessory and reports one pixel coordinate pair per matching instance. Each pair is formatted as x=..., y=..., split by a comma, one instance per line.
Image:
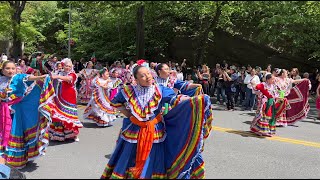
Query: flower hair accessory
x=140, y=62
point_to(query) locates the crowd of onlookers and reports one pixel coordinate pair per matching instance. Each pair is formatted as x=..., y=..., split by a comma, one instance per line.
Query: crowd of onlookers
x=228, y=83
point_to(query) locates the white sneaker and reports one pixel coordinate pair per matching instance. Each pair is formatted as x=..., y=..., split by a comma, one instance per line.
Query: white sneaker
x=77, y=139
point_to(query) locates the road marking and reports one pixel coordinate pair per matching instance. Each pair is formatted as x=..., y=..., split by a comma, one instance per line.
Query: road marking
x=274, y=138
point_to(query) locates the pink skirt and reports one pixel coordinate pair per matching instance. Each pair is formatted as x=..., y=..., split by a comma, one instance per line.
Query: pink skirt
x=113, y=93
x=318, y=103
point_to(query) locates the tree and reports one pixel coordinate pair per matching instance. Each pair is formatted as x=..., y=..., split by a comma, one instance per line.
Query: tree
x=18, y=7
x=140, y=33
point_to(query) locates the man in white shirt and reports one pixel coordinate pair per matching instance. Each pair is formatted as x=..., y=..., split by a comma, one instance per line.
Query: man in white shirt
x=179, y=74
x=250, y=79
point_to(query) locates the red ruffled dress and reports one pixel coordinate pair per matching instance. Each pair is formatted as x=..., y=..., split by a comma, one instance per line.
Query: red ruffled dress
x=65, y=119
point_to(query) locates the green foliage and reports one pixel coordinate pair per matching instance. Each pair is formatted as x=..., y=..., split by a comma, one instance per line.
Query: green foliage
x=108, y=28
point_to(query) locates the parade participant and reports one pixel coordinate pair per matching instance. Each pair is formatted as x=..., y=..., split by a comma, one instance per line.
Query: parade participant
x=65, y=116
x=121, y=71
x=251, y=78
x=269, y=107
x=297, y=97
x=56, y=71
x=57, y=68
x=50, y=64
x=318, y=101
x=3, y=59
x=116, y=82
x=99, y=109
x=24, y=115
x=22, y=65
x=87, y=74
x=164, y=79
x=154, y=146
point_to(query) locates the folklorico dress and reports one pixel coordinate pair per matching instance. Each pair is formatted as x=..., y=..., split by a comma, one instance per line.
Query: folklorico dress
x=99, y=109
x=151, y=145
x=116, y=85
x=181, y=86
x=121, y=73
x=65, y=119
x=297, y=96
x=85, y=90
x=268, y=109
x=24, y=116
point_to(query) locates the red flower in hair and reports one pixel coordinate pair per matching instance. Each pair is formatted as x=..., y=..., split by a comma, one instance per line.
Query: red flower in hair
x=62, y=63
x=140, y=62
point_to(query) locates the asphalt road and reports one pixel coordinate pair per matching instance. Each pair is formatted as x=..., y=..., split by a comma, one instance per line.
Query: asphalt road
x=231, y=151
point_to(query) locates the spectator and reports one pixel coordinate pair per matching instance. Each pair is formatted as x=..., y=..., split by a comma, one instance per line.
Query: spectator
x=189, y=78
x=204, y=78
x=221, y=91
x=241, y=87
x=230, y=79
x=179, y=74
x=194, y=74
x=295, y=74
x=250, y=79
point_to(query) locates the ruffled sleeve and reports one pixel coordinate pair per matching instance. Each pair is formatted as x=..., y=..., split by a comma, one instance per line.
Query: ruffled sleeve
x=118, y=100
x=181, y=85
x=19, y=85
x=260, y=87
x=167, y=94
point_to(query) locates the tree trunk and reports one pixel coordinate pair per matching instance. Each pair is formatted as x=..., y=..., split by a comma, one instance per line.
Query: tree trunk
x=203, y=38
x=18, y=7
x=140, y=34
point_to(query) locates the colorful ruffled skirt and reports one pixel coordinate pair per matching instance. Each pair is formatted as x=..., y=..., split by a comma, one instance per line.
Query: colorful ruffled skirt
x=99, y=109
x=29, y=132
x=177, y=146
x=261, y=123
x=65, y=119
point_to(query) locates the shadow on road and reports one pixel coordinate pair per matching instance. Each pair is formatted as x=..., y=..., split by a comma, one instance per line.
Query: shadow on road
x=108, y=156
x=314, y=122
x=93, y=125
x=247, y=122
x=248, y=114
x=245, y=134
x=30, y=167
x=56, y=143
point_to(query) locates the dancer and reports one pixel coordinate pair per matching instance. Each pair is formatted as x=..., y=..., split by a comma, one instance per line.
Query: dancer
x=297, y=97
x=87, y=75
x=65, y=116
x=183, y=87
x=22, y=65
x=269, y=107
x=153, y=146
x=116, y=82
x=318, y=101
x=25, y=115
x=99, y=109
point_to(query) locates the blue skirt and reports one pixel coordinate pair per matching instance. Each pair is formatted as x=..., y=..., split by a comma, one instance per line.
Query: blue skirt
x=177, y=148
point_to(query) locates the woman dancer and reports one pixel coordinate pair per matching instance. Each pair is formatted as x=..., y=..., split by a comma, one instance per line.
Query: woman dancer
x=65, y=116
x=24, y=115
x=22, y=65
x=297, y=98
x=116, y=82
x=99, y=109
x=87, y=75
x=268, y=108
x=183, y=87
x=153, y=146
